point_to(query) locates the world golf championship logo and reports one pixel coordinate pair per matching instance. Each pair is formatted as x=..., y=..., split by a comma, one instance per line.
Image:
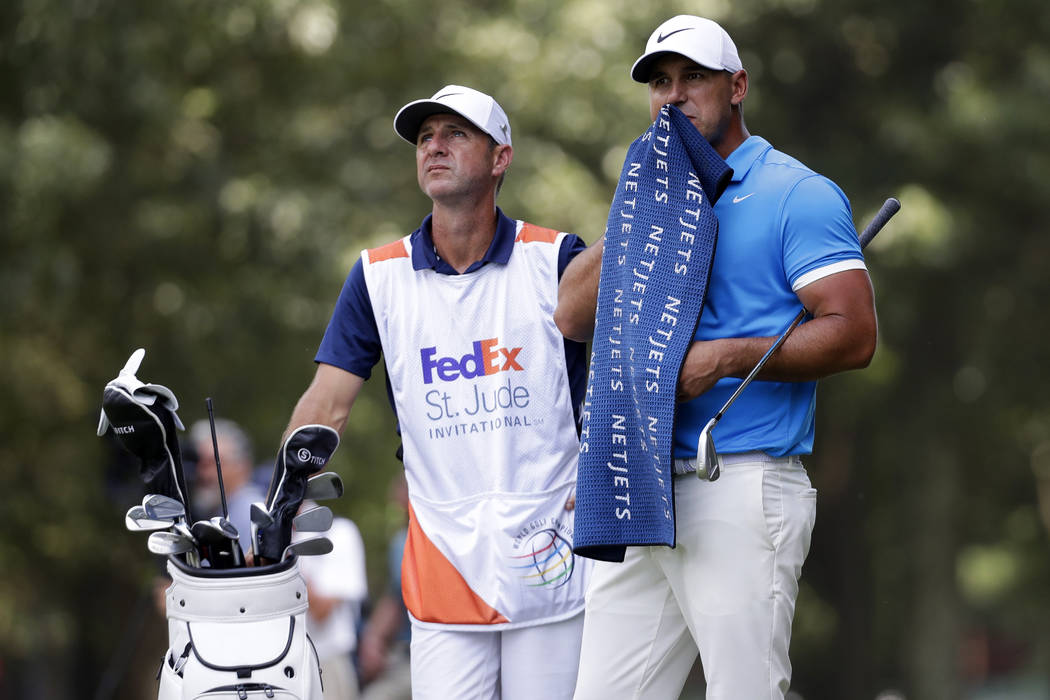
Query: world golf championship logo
x=546, y=560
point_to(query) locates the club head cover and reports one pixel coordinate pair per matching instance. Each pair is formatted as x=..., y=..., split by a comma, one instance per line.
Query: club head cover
x=146, y=394
x=144, y=420
x=306, y=451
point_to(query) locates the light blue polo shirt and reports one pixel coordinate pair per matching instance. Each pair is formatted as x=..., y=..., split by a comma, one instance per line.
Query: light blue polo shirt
x=780, y=226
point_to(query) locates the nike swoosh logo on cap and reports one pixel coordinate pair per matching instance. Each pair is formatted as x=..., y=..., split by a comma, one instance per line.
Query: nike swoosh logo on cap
x=447, y=94
x=660, y=39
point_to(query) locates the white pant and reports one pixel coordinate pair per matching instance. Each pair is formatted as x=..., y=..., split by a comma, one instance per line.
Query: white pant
x=727, y=589
x=528, y=663
x=339, y=678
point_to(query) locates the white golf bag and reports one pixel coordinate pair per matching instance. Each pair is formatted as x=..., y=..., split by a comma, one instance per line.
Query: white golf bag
x=238, y=633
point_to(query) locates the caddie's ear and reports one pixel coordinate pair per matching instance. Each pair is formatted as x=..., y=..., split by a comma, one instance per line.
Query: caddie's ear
x=739, y=81
x=501, y=158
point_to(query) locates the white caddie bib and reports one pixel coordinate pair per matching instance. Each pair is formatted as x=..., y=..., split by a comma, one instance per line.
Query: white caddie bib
x=477, y=369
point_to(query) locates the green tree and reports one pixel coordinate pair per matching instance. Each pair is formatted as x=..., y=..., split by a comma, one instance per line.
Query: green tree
x=196, y=178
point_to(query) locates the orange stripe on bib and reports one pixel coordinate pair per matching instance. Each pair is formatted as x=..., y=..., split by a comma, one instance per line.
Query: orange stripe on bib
x=530, y=233
x=434, y=591
x=388, y=252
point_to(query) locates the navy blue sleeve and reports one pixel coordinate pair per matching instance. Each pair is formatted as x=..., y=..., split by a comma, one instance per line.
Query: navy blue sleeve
x=571, y=246
x=575, y=353
x=351, y=341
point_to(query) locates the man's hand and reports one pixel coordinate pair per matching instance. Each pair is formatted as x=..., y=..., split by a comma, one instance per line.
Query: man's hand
x=840, y=336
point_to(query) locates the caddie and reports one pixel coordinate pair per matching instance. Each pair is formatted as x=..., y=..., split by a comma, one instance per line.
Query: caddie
x=483, y=386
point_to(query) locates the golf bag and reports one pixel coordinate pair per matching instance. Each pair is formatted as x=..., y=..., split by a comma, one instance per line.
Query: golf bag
x=238, y=634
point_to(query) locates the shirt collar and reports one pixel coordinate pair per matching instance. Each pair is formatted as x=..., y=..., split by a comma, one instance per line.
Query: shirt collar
x=745, y=155
x=424, y=256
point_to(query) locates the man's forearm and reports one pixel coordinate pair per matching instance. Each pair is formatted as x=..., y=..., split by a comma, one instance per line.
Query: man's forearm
x=578, y=294
x=821, y=347
x=327, y=401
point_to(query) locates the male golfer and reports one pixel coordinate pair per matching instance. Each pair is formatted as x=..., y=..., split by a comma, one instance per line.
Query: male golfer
x=786, y=238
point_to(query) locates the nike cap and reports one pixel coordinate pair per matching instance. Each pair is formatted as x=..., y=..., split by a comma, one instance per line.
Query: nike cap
x=697, y=38
x=476, y=107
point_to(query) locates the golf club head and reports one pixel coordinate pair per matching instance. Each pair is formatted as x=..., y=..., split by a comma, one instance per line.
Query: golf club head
x=706, y=457
x=193, y=558
x=323, y=486
x=304, y=453
x=260, y=517
x=205, y=532
x=137, y=520
x=160, y=507
x=316, y=519
x=310, y=547
x=228, y=529
x=169, y=543
x=219, y=542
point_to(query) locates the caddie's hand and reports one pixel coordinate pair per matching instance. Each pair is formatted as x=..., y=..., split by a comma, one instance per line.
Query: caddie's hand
x=570, y=502
x=699, y=370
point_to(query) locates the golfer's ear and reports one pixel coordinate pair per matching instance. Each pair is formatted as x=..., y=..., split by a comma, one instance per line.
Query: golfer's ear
x=739, y=82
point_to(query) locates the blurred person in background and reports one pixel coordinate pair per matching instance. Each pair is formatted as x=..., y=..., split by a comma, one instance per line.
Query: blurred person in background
x=235, y=455
x=384, y=650
x=336, y=586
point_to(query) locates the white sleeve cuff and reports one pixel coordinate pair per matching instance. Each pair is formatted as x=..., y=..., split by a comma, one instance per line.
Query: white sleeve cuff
x=822, y=272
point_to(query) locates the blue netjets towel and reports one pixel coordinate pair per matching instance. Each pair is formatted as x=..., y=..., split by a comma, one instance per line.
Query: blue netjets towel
x=659, y=245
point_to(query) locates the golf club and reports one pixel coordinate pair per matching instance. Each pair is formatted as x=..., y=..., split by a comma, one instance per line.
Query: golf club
x=143, y=417
x=193, y=558
x=169, y=543
x=260, y=517
x=304, y=452
x=219, y=542
x=218, y=464
x=310, y=547
x=160, y=507
x=323, y=486
x=706, y=456
x=316, y=519
x=137, y=520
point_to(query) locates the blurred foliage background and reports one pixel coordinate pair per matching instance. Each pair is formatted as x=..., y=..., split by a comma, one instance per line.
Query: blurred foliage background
x=196, y=178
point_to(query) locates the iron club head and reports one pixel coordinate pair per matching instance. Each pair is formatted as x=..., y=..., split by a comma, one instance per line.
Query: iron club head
x=219, y=542
x=137, y=520
x=310, y=547
x=260, y=517
x=169, y=543
x=325, y=485
x=706, y=457
x=160, y=507
x=316, y=519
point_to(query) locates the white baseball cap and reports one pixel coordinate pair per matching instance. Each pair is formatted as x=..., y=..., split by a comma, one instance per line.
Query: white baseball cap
x=476, y=107
x=694, y=37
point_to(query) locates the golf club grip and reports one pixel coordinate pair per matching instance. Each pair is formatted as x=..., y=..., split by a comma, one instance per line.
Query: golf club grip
x=890, y=207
